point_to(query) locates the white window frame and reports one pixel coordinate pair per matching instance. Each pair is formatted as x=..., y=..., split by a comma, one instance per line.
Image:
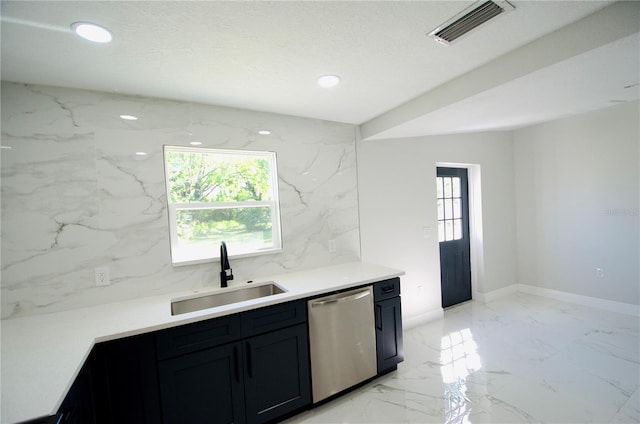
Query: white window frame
x=178, y=257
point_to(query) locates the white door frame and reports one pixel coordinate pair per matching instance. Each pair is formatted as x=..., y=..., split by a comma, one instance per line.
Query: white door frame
x=476, y=242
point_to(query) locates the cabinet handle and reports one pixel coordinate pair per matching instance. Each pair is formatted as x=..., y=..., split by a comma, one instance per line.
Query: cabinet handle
x=379, y=317
x=249, y=362
x=236, y=363
x=388, y=289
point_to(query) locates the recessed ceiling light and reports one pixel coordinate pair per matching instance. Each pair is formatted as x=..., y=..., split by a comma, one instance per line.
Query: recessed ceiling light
x=141, y=153
x=196, y=143
x=327, y=81
x=264, y=132
x=92, y=32
x=6, y=147
x=129, y=117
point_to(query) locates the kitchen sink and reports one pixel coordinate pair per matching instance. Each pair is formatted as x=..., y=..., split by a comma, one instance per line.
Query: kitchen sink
x=224, y=298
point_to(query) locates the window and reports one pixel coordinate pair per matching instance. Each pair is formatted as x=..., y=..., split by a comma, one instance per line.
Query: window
x=449, y=208
x=221, y=195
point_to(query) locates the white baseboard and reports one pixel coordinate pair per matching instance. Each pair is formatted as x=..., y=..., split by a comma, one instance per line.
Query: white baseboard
x=422, y=318
x=594, y=302
x=496, y=294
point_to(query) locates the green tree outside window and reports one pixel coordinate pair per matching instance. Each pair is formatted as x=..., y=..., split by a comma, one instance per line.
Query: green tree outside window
x=217, y=195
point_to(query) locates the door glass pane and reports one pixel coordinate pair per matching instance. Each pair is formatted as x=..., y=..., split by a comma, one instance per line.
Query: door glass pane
x=448, y=208
x=457, y=208
x=448, y=230
x=455, y=187
x=447, y=187
x=457, y=229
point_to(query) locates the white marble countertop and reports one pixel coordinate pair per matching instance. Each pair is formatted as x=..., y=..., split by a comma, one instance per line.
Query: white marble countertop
x=42, y=354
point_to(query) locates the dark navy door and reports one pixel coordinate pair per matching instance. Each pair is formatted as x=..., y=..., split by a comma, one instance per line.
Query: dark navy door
x=453, y=235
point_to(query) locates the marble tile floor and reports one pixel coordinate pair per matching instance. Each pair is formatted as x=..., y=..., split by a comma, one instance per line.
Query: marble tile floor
x=519, y=359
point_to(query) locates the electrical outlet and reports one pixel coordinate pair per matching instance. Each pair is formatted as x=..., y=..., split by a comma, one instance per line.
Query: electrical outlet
x=332, y=246
x=102, y=276
x=600, y=272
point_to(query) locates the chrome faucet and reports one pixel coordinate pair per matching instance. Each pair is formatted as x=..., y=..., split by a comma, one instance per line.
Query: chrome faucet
x=226, y=273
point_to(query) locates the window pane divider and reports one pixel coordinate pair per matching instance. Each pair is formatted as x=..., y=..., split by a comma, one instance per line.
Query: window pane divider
x=221, y=205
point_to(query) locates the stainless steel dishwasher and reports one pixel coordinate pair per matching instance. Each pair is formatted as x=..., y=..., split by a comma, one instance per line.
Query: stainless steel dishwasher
x=343, y=341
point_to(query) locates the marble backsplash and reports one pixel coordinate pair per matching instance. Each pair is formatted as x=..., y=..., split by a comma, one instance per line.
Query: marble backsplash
x=75, y=196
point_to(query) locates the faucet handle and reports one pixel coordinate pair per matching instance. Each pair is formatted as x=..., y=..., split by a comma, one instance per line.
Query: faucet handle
x=228, y=274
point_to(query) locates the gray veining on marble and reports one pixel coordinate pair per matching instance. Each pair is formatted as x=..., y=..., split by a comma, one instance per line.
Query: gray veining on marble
x=76, y=197
x=520, y=359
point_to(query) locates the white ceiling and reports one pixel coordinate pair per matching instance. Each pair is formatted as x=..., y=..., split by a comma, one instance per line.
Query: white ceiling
x=396, y=81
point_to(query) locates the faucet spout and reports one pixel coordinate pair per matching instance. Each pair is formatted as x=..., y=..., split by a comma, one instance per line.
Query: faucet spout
x=226, y=273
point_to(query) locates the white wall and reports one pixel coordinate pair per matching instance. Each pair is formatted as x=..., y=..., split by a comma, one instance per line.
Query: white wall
x=577, y=182
x=76, y=197
x=397, y=192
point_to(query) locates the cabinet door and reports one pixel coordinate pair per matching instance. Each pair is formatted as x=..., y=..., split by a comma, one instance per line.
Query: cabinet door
x=389, y=334
x=203, y=387
x=125, y=381
x=277, y=378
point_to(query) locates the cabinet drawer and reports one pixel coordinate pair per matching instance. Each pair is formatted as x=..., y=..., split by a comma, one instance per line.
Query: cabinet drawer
x=200, y=335
x=386, y=289
x=274, y=317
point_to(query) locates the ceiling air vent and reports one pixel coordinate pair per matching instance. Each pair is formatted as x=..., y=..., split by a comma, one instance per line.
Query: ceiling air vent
x=469, y=19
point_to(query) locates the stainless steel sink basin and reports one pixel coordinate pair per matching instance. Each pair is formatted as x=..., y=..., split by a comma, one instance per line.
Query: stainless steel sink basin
x=183, y=306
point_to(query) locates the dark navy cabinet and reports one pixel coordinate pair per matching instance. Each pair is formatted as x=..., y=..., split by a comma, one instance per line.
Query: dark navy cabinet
x=203, y=387
x=198, y=336
x=388, y=319
x=117, y=384
x=276, y=375
x=251, y=367
x=78, y=406
x=124, y=381
x=277, y=379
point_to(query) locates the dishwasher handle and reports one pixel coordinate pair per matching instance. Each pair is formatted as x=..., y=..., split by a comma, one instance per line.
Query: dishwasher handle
x=348, y=298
